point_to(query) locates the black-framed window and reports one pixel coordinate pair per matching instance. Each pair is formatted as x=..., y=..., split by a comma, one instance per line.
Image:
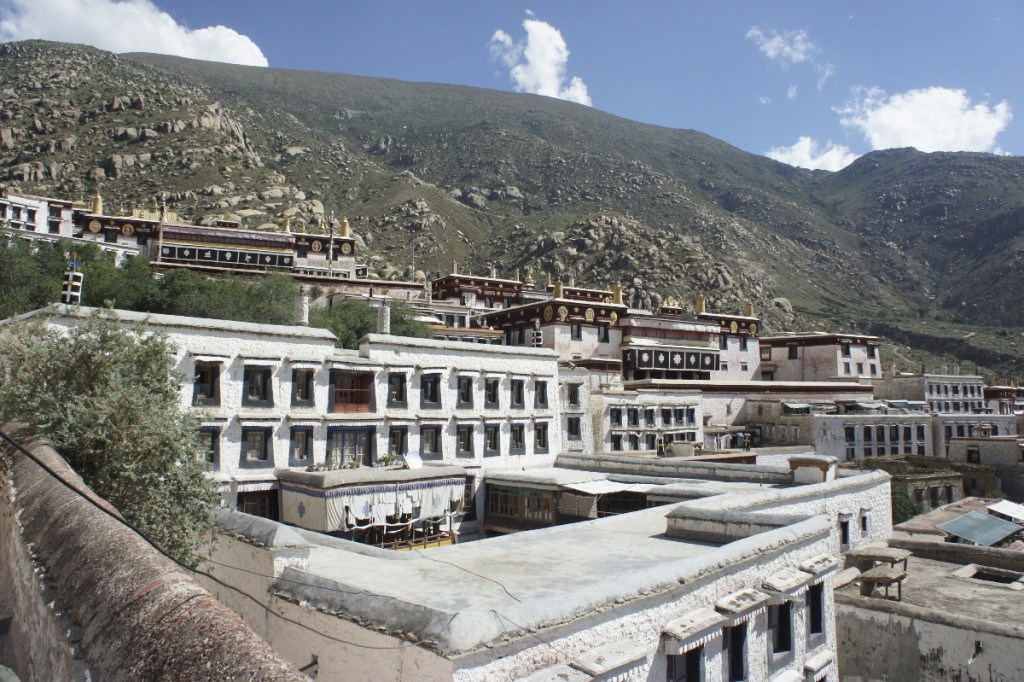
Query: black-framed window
x=464, y=441
x=617, y=442
x=794, y=352
x=634, y=441
x=300, y=451
x=396, y=389
x=209, y=442
x=723, y=341
x=649, y=417
x=573, y=428
x=615, y=415
x=465, y=392
x=206, y=385
x=743, y=342
x=633, y=416
x=492, y=440
x=666, y=417
x=780, y=633
x=430, y=391
x=766, y=352
x=430, y=442
x=302, y=387
x=491, y=394
x=540, y=437
x=347, y=446
x=603, y=334
x=540, y=396
x=734, y=653
x=398, y=441
x=516, y=394
x=257, y=387
x=575, y=331
x=816, y=615
x=573, y=395
x=845, y=348
x=687, y=666
x=517, y=440
x=257, y=448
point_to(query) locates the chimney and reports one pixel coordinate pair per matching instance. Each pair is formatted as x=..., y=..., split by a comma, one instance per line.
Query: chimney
x=384, y=318
x=97, y=204
x=302, y=307
x=494, y=272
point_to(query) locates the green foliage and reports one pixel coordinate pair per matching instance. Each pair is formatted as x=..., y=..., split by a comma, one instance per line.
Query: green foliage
x=29, y=278
x=903, y=508
x=108, y=399
x=352, y=319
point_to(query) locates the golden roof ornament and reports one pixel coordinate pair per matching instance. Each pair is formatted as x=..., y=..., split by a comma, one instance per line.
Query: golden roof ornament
x=455, y=267
x=617, y=294
x=515, y=275
x=748, y=309
x=529, y=276
x=558, y=293
x=671, y=302
x=345, y=229
x=286, y=224
x=701, y=305
x=321, y=224
x=551, y=282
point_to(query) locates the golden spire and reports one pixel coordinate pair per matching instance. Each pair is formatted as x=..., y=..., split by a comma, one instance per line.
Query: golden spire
x=455, y=267
x=97, y=203
x=748, y=309
x=529, y=276
x=286, y=224
x=345, y=230
x=558, y=293
x=321, y=224
x=617, y=294
x=550, y=281
x=701, y=305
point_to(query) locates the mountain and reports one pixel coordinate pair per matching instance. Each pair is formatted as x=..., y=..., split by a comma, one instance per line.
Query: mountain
x=917, y=247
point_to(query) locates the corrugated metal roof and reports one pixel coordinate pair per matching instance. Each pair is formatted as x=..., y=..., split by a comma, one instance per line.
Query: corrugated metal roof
x=1012, y=509
x=980, y=528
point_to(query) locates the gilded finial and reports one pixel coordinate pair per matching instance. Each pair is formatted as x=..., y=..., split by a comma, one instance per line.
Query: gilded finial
x=286, y=224
x=748, y=309
x=321, y=224
x=701, y=305
x=345, y=230
x=558, y=290
x=617, y=294
x=529, y=276
x=455, y=267
x=550, y=282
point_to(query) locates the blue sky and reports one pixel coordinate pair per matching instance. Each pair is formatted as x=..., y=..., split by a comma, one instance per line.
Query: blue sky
x=810, y=83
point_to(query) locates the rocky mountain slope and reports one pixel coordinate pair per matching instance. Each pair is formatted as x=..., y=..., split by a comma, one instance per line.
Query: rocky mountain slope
x=900, y=242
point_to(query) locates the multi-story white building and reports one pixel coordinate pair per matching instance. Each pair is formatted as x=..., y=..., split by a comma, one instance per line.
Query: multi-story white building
x=817, y=356
x=943, y=393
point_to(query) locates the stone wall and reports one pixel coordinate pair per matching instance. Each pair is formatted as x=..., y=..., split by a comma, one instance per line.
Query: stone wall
x=134, y=613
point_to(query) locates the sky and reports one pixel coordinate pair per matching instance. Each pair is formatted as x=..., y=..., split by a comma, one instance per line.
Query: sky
x=809, y=83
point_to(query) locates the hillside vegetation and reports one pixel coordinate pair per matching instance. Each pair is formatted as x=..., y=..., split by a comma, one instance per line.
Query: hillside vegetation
x=923, y=247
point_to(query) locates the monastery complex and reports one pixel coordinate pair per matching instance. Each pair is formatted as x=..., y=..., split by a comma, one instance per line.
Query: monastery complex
x=592, y=491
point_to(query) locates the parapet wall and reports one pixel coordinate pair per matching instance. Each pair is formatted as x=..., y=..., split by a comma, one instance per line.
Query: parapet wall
x=133, y=613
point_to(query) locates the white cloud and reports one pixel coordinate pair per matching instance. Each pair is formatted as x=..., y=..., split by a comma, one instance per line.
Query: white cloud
x=929, y=119
x=806, y=154
x=791, y=47
x=765, y=100
x=791, y=92
x=124, y=26
x=537, y=63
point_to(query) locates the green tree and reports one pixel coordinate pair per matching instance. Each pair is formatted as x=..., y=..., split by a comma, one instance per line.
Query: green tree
x=108, y=399
x=352, y=319
x=903, y=508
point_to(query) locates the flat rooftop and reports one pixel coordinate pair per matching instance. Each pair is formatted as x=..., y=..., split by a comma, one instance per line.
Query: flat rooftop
x=931, y=584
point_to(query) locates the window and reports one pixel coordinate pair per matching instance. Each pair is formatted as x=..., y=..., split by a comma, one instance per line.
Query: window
x=576, y=331
x=864, y=523
x=491, y=393
x=666, y=417
x=464, y=438
x=301, y=451
x=724, y=367
x=517, y=394
x=815, y=614
x=603, y=335
x=860, y=368
x=206, y=388
x=350, y=391
x=617, y=442
x=259, y=503
x=465, y=392
x=396, y=390
x=255, y=445
x=430, y=442
x=846, y=368
x=851, y=434
x=302, y=387
x=430, y=391
x=573, y=395
x=616, y=416
x=743, y=343
x=492, y=440
x=723, y=341
x=734, y=653
x=573, y=428
x=845, y=347
x=348, y=447
x=540, y=437
x=780, y=631
x=794, y=352
x=844, y=533
x=649, y=418
x=256, y=387
x=872, y=351
x=766, y=352
x=634, y=442
x=633, y=415
x=541, y=394
x=686, y=667
x=209, y=443
x=517, y=441
x=744, y=367
x=398, y=441
x=874, y=369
